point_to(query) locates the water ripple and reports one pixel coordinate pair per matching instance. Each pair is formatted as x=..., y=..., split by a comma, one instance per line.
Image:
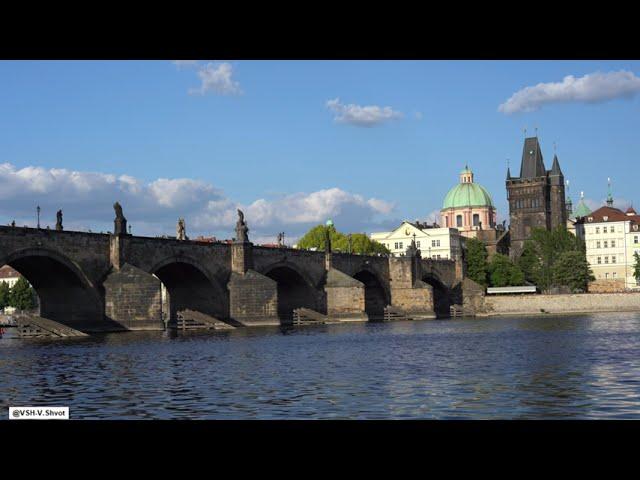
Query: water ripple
x=532, y=368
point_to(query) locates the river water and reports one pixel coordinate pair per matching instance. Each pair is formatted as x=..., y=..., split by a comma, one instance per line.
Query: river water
x=500, y=368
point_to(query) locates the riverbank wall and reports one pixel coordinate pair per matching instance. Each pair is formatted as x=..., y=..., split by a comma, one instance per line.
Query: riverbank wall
x=478, y=304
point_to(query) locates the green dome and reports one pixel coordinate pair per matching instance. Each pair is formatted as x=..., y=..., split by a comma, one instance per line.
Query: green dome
x=581, y=210
x=467, y=195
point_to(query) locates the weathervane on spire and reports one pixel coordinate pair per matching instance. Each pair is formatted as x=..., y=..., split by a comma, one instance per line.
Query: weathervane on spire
x=536, y=130
x=609, y=196
x=525, y=132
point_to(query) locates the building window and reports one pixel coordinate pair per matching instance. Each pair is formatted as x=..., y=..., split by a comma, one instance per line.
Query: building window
x=613, y=259
x=606, y=259
x=598, y=244
x=604, y=229
x=476, y=219
x=613, y=244
x=418, y=244
x=597, y=229
x=396, y=245
x=606, y=275
x=605, y=244
x=612, y=229
x=459, y=220
x=635, y=239
x=400, y=245
x=599, y=260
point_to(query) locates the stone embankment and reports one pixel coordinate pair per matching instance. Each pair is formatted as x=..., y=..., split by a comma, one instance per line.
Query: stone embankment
x=481, y=305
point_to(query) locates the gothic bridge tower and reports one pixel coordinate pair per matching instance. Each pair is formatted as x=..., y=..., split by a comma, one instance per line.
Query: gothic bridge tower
x=536, y=198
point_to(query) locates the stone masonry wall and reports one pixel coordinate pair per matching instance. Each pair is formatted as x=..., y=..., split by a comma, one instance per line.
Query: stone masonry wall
x=345, y=297
x=607, y=286
x=133, y=299
x=417, y=300
x=253, y=299
x=570, y=303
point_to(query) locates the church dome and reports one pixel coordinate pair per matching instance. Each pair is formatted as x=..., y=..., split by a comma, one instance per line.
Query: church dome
x=467, y=193
x=582, y=210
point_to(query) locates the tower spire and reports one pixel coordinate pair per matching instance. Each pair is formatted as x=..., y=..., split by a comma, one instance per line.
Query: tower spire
x=609, y=196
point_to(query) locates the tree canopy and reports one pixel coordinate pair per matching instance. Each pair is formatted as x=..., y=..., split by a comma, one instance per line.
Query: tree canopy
x=636, y=267
x=545, y=260
x=503, y=272
x=477, y=261
x=5, y=294
x=571, y=269
x=22, y=295
x=360, y=242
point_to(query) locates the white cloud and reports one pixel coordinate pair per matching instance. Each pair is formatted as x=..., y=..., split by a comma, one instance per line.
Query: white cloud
x=433, y=216
x=619, y=203
x=217, y=79
x=592, y=88
x=153, y=208
x=368, y=116
x=185, y=63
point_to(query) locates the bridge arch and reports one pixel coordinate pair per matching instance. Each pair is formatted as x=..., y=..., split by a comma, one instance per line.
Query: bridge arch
x=295, y=290
x=442, y=297
x=65, y=293
x=376, y=297
x=189, y=285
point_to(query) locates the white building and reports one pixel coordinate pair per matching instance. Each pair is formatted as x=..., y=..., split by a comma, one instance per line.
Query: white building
x=611, y=238
x=432, y=241
x=9, y=275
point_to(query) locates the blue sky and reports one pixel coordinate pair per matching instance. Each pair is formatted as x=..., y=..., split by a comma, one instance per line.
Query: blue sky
x=198, y=140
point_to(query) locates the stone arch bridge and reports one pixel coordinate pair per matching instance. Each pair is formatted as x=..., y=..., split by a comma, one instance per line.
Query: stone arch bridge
x=106, y=282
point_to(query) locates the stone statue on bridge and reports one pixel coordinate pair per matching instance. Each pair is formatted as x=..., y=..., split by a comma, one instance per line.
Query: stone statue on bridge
x=180, y=230
x=120, y=223
x=59, y=221
x=242, y=231
x=327, y=240
x=412, y=249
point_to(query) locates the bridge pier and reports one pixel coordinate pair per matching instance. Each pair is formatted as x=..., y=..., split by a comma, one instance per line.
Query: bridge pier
x=345, y=297
x=408, y=291
x=133, y=297
x=253, y=297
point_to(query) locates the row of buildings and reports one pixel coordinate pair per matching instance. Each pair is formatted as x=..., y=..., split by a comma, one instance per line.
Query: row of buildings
x=536, y=198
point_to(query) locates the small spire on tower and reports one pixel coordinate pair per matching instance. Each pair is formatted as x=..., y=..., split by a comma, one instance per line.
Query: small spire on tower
x=609, y=196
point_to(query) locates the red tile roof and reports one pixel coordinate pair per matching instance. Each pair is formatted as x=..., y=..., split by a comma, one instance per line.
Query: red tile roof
x=612, y=214
x=8, y=272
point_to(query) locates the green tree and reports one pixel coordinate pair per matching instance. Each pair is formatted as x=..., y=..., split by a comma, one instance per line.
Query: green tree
x=476, y=257
x=360, y=242
x=314, y=238
x=503, y=272
x=572, y=270
x=22, y=295
x=5, y=293
x=636, y=267
x=543, y=250
x=529, y=262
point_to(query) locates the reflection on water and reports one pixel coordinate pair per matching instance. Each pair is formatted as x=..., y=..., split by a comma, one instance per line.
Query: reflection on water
x=545, y=367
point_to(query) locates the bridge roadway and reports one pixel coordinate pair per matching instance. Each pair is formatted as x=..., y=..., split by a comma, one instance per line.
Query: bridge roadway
x=105, y=282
